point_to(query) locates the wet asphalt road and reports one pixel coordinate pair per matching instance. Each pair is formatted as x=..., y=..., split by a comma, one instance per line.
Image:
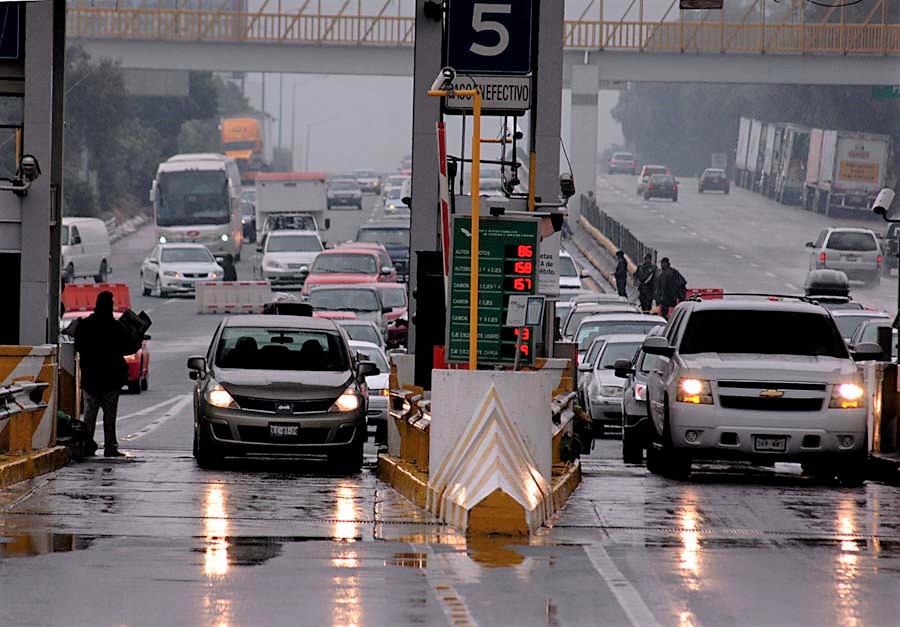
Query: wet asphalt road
x=153, y=540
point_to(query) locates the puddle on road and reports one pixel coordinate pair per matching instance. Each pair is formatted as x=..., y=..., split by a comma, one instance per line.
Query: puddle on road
x=30, y=544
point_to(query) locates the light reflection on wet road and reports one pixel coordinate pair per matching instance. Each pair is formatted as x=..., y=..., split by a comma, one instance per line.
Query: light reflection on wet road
x=272, y=545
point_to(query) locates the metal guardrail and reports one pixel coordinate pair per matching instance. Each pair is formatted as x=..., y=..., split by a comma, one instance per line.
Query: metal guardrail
x=789, y=36
x=21, y=397
x=614, y=230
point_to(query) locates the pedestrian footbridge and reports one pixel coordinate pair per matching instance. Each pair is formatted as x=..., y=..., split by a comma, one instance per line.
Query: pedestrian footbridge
x=648, y=41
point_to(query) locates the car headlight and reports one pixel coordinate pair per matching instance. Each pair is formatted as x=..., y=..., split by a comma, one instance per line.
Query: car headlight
x=696, y=391
x=392, y=206
x=217, y=396
x=348, y=401
x=224, y=237
x=611, y=391
x=214, y=275
x=162, y=239
x=847, y=396
x=271, y=263
x=172, y=273
x=304, y=268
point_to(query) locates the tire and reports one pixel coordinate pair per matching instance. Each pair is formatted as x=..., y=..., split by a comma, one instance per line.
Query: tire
x=159, y=289
x=69, y=276
x=646, y=196
x=632, y=443
x=145, y=382
x=662, y=458
x=853, y=474
x=134, y=387
x=144, y=289
x=103, y=274
x=205, y=451
x=349, y=459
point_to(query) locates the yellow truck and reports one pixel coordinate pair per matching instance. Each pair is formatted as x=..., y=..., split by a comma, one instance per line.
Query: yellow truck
x=244, y=140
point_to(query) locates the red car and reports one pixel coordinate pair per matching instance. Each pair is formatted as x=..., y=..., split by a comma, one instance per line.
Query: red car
x=347, y=265
x=393, y=295
x=623, y=162
x=79, y=299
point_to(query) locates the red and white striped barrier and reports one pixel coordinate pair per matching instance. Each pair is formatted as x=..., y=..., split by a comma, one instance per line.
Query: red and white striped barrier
x=242, y=297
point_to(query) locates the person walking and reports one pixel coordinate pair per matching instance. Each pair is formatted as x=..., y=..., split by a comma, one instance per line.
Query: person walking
x=645, y=278
x=102, y=342
x=671, y=287
x=621, y=273
x=229, y=272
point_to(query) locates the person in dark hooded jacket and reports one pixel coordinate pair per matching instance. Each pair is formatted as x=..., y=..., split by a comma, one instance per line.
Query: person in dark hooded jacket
x=102, y=342
x=671, y=287
x=645, y=278
x=621, y=273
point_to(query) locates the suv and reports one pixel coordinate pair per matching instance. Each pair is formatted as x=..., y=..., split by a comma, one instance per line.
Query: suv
x=394, y=236
x=713, y=178
x=344, y=193
x=783, y=389
x=661, y=186
x=287, y=256
x=646, y=172
x=855, y=251
x=622, y=162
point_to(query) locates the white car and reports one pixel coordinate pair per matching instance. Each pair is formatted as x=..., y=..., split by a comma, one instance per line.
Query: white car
x=602, y=389
x=378, y=386
x=177, y=268
x=759, y=380
x=85, y=250
x=344, y=193
x=569, y=274
x=287, y=256
x=854, y=251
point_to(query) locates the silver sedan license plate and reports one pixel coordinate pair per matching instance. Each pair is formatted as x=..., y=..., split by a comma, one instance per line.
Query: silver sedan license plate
x=770, y=444
x=284, y=431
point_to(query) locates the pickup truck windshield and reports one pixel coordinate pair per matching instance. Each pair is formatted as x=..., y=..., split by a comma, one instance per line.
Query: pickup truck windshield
x=387, y=237
x=762, y=333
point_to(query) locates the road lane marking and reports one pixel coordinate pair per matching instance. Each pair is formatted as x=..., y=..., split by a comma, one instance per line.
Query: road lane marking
x=706, y=239
x=683, y=227
x=629, y=599
x=672, y=221
x=694, y=233
x=770, y=274
x=440, y=573
x=755, y=265
x=153, y=426
x=720, y=247
x=152, y=408
x=791, y=286
x=171, y=300
x=737, y=256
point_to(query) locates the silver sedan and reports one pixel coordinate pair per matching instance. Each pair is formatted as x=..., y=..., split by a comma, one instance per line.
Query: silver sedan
x=177, y=268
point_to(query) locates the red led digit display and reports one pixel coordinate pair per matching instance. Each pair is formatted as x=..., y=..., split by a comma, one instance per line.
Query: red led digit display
x=523, y=267
x=526, y=251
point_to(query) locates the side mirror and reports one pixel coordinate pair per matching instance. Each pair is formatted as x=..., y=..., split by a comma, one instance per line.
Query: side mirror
x=810, y=245
x=584, y=367
x=658, y=345
x=387, y=310
x=407, y=200
x=583, y=273
x=196, y=364
x=867, y=351
x=386, y=269
x=623, y=368
x=148, y=337
x=368, y=369
x=153, y=262
x=259, y=249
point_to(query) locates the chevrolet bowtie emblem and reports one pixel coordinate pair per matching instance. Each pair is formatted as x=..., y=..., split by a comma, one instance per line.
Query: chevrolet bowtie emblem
x=771, y=393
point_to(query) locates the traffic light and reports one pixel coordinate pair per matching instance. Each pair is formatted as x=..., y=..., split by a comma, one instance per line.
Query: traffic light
x=431, y=313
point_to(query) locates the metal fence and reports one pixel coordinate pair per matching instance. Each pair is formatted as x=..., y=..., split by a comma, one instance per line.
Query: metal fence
x=617, y=232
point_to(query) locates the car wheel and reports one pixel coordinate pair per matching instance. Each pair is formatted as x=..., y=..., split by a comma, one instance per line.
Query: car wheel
x=103, y=274
x=349, y=459
x=134, y=387
x=159, y=289
x=205, y=451
x=853, y=474
x=662, y=458
x=646, y=196
x=144, y=289
x=632, y=443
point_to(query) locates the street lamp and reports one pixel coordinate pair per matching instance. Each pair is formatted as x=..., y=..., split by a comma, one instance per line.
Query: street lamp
x=294, y=106
x=308, y=129
x=882, y=207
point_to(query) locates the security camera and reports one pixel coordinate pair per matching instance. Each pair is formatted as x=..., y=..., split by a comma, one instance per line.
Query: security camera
x=567, y=185
x=444, y=79
x=883, y=201
x=29, y=168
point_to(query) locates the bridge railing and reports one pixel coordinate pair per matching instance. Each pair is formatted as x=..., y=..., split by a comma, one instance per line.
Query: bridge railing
x=673, y=36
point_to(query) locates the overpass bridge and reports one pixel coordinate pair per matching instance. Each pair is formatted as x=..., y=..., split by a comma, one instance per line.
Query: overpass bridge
x=858, y=47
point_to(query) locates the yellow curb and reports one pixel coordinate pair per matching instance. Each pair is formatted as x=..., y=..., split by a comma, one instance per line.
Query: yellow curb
x=499, y=513
x=16, y=468
x=605, y=242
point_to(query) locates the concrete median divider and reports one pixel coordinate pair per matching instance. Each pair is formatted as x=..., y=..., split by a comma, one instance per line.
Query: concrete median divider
x=486, y=452
x=246, y=297
x=28, y=389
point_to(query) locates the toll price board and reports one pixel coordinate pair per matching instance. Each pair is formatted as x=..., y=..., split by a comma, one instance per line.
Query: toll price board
x=509, y=260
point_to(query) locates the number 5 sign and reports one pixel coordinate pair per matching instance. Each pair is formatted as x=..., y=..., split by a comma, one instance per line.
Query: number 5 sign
x=489, y=36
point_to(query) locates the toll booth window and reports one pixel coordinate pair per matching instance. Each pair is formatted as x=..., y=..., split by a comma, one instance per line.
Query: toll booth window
x=11, y=122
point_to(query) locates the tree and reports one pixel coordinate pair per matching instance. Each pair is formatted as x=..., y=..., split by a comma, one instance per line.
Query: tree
x=200, y=136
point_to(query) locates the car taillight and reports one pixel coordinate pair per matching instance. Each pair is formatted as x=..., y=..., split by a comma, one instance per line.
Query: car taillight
x=674, y=187
x=879, y=260
x=822, y=256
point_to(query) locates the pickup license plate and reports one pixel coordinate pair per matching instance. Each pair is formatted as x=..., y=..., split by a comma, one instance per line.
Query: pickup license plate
x=284, y=431
x=851, y=258
x=770, y=444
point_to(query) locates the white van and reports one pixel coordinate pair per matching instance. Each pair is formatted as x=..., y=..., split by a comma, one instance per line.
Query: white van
x=85, y=250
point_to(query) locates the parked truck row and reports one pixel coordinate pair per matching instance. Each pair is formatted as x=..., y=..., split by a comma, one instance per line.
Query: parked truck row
x=823, y=170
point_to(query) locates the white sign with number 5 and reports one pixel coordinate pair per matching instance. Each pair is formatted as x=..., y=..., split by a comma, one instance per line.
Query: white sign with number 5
x=479, y=25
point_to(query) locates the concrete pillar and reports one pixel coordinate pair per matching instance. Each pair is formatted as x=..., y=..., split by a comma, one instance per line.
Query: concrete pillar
x=547, y=106
x=583, y=149
x=424, y=221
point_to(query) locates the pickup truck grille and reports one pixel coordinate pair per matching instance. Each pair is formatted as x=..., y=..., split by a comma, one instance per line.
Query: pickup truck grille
x=770, y=404
x=753, y=395
x=772, y=385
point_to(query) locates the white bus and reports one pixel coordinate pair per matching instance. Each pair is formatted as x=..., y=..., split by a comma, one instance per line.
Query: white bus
x=197, y=198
